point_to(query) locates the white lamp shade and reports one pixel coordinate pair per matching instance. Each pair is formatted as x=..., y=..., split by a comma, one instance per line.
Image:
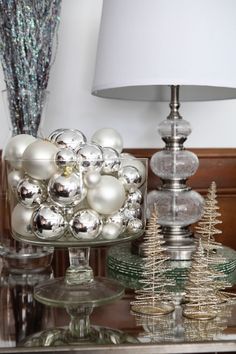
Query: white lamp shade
x=145, y=45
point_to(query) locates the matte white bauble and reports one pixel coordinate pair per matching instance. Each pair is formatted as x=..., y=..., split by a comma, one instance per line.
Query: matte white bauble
x=39, y=159
x=108, y=196
x=14, y=177
x=16, y=147
x=92, y=178
x=108, y=137
x=21, y=221
x=111, y=231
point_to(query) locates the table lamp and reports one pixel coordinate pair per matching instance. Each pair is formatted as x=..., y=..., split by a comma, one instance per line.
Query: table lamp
x=155, y=50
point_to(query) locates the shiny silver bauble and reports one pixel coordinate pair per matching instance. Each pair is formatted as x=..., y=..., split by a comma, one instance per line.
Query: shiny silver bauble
x=70, y=138
x=31, y=192
x=130, y=177
x=111, y=160
x=108, y=196
x=39, y=159
x=54, y=134
x=15, y=148
x=135, y=197
x=65, y=158
x=130, y=160
x=108, y=137
x=90, y=157
x=48, y=223
x=66, y=190
x=111, y=231
x=86, y=224
x=132, y=211
x=134, y=226
x=21, y=221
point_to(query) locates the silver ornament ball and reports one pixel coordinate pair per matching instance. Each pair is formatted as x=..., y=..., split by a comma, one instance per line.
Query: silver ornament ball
x=30, y=192
x=52, y=136
x=65, y=158
x=86, y=224
x=70, y=138
x=48, y=223
x=130, y=177
x=134, y=226
x=111, y=160
x=130, y=160
x=66, y=190
x=108, y=196
x=135, y=197
x=90, y=158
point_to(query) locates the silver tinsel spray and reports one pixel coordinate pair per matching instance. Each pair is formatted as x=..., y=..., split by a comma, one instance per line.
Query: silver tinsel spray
x=27, y=32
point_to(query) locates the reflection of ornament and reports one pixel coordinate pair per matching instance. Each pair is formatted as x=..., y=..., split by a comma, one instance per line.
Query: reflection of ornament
x=48, y=222
x=90, y=157
x=111, y=160
x=92, y=178
x=108, y=196
x=31, y=192
x=70, y=138
x=65, y=158
x=14, y=178
x=108, y=137
x=130, y=177
x=66, y=190
x=132, y=211
x=111, y=231
x=16, y=147
x=86, y=224
x=21, y=220
x=38, y=159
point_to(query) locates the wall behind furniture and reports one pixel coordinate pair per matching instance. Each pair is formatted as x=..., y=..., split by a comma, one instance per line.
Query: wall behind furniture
x=71, y=104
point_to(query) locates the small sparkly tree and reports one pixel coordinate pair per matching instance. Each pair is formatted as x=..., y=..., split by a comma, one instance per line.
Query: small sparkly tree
x=201, y=294
x=206, y=231
x=154, y=298
x=206, y=227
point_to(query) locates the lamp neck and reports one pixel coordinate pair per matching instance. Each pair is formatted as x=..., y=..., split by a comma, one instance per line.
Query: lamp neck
x=174, y=103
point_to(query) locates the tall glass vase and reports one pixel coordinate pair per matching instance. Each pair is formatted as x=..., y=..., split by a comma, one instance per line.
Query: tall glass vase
x=24, y=117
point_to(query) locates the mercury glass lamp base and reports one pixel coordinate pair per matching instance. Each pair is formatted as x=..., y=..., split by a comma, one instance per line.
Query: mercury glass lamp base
x=61, y=336
x=127, y=267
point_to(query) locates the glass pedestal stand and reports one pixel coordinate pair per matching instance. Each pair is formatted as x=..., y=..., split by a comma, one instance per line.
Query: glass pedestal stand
x=78, y=292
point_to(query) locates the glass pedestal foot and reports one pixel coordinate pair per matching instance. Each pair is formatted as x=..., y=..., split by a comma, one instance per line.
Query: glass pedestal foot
x=61, y=336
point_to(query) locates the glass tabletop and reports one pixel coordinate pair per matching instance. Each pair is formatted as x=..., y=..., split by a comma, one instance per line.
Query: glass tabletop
x=24, y=320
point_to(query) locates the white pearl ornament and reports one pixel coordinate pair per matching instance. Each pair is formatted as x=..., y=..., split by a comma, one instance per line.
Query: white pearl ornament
x=21, y=221
x=108, y=137
x=111, y=231
x=108, y=196
x=15, y=148
x=39, y=159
